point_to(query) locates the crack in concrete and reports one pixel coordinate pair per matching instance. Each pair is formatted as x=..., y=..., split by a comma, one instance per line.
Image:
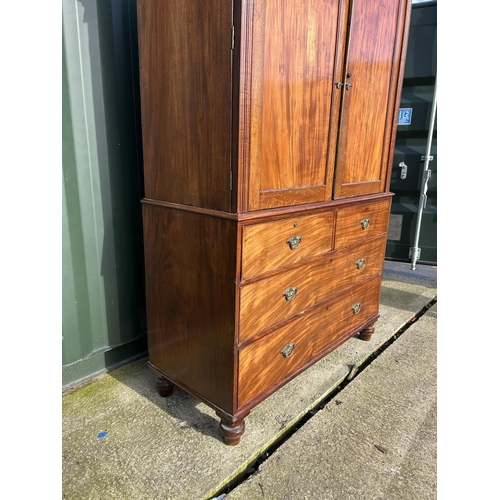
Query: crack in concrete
x=355, y=371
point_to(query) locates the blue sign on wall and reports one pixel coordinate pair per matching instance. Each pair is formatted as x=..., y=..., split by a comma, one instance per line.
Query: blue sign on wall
x=404, y=116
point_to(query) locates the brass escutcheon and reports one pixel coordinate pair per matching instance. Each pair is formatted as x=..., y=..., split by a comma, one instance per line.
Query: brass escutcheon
x=360, y=263
x=365, y=223
x=356, y=308
x=294, y=241
x=290, y=293
x=287, y=350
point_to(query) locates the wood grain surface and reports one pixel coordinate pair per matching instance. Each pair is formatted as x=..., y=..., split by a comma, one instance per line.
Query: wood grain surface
x=186, y=82
x=368, y=113
x=190, y=262
x=349, y=226
x=265, y=246
x=292, y=62
x=261, y=364
x=263, y=303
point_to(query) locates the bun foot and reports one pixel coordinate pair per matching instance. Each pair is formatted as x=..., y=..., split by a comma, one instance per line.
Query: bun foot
x=232, y=431
x=366, y=333
x=164, y=386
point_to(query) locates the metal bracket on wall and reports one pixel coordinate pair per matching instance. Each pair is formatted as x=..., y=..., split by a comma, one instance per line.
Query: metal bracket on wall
x=417, y=253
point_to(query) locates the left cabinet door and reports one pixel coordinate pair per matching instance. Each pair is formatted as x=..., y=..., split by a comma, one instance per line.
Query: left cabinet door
x=185, y=59
x=291, y=50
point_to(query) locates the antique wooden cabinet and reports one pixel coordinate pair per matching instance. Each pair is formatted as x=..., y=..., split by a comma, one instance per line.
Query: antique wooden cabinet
x=268, y=130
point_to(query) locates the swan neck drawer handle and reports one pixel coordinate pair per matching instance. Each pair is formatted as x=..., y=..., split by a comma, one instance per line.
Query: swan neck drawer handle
x=290, y=293
x=365, y=223
x=294, y=241
x=288, y=350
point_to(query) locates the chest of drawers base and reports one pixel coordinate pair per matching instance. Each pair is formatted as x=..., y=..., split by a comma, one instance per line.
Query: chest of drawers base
x=238, y=306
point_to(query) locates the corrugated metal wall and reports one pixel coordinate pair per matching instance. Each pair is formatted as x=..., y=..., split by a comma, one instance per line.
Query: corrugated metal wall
x=103, y=279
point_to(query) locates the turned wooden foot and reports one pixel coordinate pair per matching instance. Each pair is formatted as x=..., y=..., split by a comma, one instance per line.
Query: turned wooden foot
x=366, y=333
x=164, y=386
x=231, y=431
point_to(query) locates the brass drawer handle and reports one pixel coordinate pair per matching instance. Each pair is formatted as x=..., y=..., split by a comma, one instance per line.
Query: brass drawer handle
x=356, y=308
x=288, y=350
x=365, y=223
x=290, y=293
x=360, y=263
x=294, y=241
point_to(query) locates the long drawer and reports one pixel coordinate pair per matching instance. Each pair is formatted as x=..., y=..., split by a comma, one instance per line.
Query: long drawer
x=273, y=245
x=274, y=358
x=274, y=299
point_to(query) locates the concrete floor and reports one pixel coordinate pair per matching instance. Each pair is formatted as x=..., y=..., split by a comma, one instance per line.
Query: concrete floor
x=121, y=440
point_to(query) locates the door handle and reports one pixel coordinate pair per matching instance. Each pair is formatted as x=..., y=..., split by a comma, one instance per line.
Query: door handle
x=404, y=169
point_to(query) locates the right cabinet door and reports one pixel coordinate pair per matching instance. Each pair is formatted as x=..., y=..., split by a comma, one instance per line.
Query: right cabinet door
x=369, y=90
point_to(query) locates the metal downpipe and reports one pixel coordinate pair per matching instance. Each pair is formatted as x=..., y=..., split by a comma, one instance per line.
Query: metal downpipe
x=426, y=175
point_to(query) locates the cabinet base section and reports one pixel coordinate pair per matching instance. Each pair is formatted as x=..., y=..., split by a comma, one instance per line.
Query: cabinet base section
x=276, y=357
x=232, y=426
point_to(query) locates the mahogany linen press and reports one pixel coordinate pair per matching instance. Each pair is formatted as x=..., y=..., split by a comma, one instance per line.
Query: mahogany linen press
x=268, y=132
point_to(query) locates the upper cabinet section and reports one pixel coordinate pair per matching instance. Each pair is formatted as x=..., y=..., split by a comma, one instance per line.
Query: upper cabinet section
x=259, y=104
x=185, y=59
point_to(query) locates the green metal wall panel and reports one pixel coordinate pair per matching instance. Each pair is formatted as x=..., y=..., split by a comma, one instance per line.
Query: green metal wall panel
x=103, y=278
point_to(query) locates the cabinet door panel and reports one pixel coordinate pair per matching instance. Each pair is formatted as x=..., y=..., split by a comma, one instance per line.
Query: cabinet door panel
x=291, y=84
x=370, y=84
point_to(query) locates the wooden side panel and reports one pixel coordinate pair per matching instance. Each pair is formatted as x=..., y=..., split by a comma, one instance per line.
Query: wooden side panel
x=262, y=366
x=292, y=64
x=368, y=108
x=190, y=297
x=185, y=69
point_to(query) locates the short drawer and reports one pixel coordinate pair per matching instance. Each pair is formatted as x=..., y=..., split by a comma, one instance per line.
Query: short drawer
x=274, y=299
x=272, y=245
x=271, y=360
x=361, y=222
